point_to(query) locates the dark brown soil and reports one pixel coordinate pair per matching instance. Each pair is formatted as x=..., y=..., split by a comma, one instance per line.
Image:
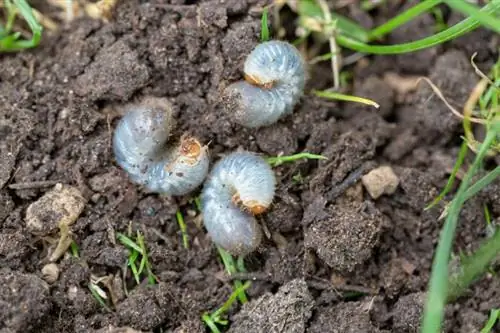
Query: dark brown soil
x=336, y=260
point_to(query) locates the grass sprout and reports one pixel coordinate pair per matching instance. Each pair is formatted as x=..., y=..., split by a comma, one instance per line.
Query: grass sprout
x=138, y=258
x=445, y=286
x=212, y=319
x=74, y=249
x=278, y=160
x=12, y=41
x=234, y=267
x=183, y=227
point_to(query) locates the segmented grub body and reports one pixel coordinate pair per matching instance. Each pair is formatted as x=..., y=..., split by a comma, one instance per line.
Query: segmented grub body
x=274, y=82
x=240, y=186
x=140, y=147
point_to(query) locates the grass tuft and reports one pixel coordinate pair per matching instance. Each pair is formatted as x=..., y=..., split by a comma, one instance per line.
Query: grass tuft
x=138, y=251
x=231, y=268
x=211, y=320
x=438, y=286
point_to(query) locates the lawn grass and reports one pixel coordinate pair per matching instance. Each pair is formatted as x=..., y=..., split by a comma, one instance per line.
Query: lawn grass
x=444, y=287
x=349, y=35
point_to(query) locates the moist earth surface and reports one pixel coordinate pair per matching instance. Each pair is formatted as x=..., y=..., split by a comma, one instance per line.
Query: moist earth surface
x=334, y=259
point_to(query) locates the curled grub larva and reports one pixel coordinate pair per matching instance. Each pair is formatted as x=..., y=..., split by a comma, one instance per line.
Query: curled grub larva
x=274, y=82
x=240, y=186
x=139, y=144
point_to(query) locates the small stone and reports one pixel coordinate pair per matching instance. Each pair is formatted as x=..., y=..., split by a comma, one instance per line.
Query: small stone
x=379, y=181
x=50, y=273
x=60, y=206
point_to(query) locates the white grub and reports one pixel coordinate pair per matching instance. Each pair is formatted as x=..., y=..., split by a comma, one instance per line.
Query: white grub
x=140, y=147
x=240, y=186
x=274, y=82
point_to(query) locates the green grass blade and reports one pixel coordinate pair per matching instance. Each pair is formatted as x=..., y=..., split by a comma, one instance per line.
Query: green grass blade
x=470, y=10
x=350, y=28
x=227, y=305
x=278, y=160
x=482, y=183
x=183, y=228
x=455, y=31
x=11, y=15
x=133, y=267
x=438, y=285
x=197, y=203
x=210, y=323
x=144, y=259
x=264, y=30
x=487, y=215
x=74, y=249
x=128, y=242
x=347, y=98
x=488, y=327
x=309, y=8
x=474, y=266
x=402, y=18
x=231, y=268
x=460, y=160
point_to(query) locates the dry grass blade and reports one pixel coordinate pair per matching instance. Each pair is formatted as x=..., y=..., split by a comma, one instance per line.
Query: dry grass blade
x=438, y=92
x=468, y=110
x=333, y=44
x=479, y=72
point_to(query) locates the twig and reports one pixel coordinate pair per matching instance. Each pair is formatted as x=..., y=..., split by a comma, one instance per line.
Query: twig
x=349, y=181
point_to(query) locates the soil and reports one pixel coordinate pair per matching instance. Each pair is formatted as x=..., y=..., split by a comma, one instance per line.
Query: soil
x=336, y=260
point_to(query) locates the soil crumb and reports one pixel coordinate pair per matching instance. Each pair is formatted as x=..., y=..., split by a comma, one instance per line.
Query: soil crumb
x=286, y=311
x=347, y=237
x=24, y=301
